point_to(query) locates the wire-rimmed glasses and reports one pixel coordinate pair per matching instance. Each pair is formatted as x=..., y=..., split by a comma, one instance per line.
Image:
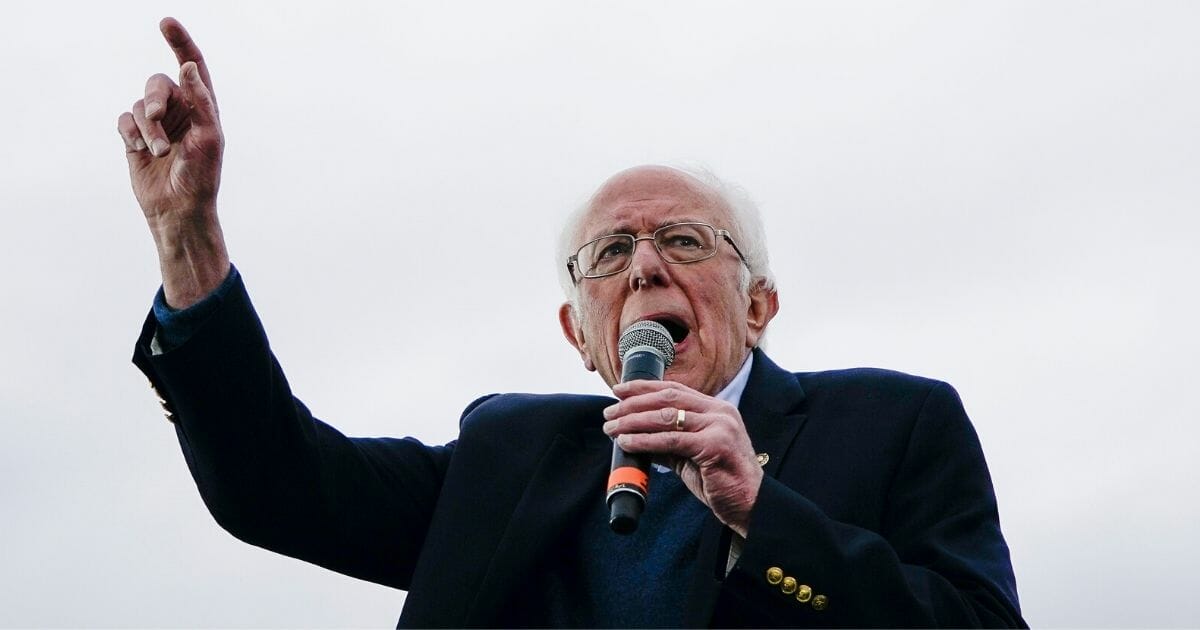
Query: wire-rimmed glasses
x=677, y=243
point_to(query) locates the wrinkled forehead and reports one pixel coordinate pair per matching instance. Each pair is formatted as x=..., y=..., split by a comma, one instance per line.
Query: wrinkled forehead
x=646, y=198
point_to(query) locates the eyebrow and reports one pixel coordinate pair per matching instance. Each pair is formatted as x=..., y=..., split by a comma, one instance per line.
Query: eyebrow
x=625, y=228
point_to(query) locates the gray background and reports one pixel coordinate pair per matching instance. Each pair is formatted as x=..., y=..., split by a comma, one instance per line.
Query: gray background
x=999, y=195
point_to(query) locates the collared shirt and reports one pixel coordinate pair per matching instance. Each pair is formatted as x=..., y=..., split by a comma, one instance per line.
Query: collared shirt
x=732, y=393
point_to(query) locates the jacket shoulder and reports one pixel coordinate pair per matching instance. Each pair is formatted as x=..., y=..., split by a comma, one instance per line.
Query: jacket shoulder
x=866, y=380
x=516, y=410
x=871, y=375
x=875, y=397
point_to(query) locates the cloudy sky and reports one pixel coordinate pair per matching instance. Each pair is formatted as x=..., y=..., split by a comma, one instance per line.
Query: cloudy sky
x=1000, y=195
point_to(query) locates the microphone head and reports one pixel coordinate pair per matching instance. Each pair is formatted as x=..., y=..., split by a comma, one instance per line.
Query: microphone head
x=651, y=334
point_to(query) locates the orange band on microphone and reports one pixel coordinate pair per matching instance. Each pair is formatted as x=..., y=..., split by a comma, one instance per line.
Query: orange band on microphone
x=628, y=476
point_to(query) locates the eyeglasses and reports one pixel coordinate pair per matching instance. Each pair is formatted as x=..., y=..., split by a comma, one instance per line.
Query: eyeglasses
x=678, y=244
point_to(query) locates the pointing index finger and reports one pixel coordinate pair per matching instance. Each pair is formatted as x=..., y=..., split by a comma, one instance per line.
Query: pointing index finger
x=184, y=48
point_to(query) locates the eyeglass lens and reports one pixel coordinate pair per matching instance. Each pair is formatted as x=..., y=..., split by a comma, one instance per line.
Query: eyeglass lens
x=678, y=243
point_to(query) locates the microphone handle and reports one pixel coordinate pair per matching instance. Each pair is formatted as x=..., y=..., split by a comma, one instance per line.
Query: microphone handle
x=628, y=487
x=629, y=481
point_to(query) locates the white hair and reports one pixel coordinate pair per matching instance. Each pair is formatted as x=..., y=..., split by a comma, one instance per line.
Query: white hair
x=747, y=231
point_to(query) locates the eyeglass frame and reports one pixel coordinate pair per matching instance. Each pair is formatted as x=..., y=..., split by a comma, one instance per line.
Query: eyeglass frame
x=722, y=233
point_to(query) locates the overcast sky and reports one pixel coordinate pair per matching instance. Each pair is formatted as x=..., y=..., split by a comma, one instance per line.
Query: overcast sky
x=999, y=195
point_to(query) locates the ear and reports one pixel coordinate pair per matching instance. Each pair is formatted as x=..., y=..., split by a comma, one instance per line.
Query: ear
x=574, y=333
x=764, y=304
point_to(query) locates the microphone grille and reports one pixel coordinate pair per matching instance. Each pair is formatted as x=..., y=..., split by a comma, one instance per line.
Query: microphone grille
x=647, y=333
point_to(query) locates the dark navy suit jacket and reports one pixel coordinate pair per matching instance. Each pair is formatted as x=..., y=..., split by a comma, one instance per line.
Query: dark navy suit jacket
x=876, y=494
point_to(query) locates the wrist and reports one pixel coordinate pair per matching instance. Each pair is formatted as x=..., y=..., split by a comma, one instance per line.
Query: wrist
x=739, y=522
x=191, y=255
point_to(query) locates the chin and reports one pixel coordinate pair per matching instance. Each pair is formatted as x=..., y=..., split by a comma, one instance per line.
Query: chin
x=685, y=378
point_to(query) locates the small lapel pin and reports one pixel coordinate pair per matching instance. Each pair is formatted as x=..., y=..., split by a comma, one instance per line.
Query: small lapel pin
x=762, y=458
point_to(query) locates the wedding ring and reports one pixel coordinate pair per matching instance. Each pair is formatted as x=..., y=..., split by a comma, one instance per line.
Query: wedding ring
x=679, y=416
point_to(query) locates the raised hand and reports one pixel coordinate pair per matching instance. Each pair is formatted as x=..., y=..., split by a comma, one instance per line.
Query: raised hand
x=173, y=143
x=710, y=451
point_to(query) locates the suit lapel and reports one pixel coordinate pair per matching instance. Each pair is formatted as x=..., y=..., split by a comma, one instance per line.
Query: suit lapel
x=557, y=495
x=769, y=407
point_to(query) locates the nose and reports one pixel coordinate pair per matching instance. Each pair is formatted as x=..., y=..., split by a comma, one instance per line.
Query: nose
x=647, y=268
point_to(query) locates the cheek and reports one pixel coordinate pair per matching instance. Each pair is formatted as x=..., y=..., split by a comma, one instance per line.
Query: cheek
x=719, y=310
x=598, y=316
x=717, y=301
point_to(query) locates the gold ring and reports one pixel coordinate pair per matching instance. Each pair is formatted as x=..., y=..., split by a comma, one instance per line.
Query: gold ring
x=679, y=416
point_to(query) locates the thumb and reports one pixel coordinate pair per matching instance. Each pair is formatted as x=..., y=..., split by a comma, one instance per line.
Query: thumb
x=199, y=99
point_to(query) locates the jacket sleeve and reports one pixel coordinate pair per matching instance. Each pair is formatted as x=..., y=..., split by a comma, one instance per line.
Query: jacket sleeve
x=937, y=559
x=275, y=476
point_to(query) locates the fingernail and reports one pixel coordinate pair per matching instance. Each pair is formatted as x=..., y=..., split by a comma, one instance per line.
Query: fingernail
x=152, y=108
x=610, y=411
x=139, y=144
x=609, y=426
x=624, y=439
x=159, y=147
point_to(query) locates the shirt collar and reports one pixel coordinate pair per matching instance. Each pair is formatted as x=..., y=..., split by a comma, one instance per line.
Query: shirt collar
x=732, y=393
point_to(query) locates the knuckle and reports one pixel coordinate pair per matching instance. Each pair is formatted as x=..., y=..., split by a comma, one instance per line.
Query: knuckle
x=209, y=144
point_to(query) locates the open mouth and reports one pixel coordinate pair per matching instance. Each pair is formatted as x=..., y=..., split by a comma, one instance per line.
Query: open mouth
x=678, y=330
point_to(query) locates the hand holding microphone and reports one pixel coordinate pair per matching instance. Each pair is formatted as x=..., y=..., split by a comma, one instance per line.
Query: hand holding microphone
x=702, y=438
x=646, y=352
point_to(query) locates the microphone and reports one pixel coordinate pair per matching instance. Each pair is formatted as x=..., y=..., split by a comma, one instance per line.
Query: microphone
x=646, y=351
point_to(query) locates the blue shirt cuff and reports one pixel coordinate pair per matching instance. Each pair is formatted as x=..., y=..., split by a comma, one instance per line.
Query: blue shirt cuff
x=176, y=326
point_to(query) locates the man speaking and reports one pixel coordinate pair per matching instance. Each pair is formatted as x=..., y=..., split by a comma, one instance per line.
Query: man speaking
x=847, y=498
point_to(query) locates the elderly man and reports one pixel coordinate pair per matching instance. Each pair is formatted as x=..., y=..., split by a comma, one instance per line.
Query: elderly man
x=851, y=498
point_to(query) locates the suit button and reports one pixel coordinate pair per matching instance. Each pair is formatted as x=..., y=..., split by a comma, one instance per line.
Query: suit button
x=774, y=575
x=820, y=602
x=789, y=585
x=804, y=593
